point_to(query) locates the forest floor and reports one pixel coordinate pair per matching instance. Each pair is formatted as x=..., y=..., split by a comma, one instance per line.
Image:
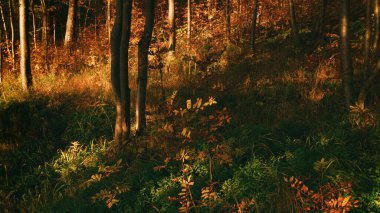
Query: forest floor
x=266, y=132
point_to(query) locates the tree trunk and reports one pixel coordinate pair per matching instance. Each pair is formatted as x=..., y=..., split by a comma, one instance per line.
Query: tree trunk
x=368, y=83
x=143, y=50
x=119, y=68
x=34, y=24
x=70, y=24
x=293, y=22
x=5, y=30
x=377, y=28
x=12, y=35
x=319, y=28
x=345, y=48
x=189, y=22
x=367, y=41
x=254, y=22
x=109, y=19
x=172, y=27
x=228, y=21
x=45, y=29
x=26, y=74
x=124, y=80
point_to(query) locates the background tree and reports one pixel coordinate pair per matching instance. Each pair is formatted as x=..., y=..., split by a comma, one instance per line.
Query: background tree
x=294, y=24
x=172, y=26
x=376, y=42
x=320, y=24
x=254, y=23
x=367, y=40
x=12, y=34
x=189, y=22
x=70, y=24
x=345, y=48
x=228, y=20
x=142, y=78
x=26, y=73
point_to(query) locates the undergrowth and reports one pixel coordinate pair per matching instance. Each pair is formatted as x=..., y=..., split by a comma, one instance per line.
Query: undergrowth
x=245, y=136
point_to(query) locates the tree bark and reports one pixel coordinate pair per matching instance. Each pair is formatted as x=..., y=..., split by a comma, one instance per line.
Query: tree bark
x=345, y=48
x=368, y=83
x=254, y=24
x=34, y=24
x=320, y=26
x=367, y=41
x=142, y=78
x=377, y=27
x=172, y=26
x=119, y=68
x=45, y=28
x=228, y=21
x=26, y=74
x=189, y=22
x=293, y=22
x=12, y=35
x=70, y=24
x=5, y=29
x=109, y=19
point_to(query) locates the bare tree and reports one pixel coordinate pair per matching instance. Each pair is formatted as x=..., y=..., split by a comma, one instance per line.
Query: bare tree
x=119, y=68
x=189, y=22
x=5, y=29
x=142, y=78
x=34, y=24
x=45, y=29
x=26, y=74
x=345, y=48
x=172, y=27
x=367, y=41
x=320, y=25
x=228, y=20
x=70, y=24
x=376, y=42
x=12, y=34
x=294, y=24
x=254, y=23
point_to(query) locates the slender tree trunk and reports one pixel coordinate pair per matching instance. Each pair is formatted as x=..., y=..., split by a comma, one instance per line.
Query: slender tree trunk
x=70, y=24
x=228, y=21
x=189, y=22
x=34, y=24
x=368, y=83
x=12, y=35
x=346, y=60
x=26, y=74
x=119, y=68
x=142, y=78
x=54, y=32
x=254, y=24
x=5, y=29
x=293, y=21
x=115, y=68
x=124, y=80
x=109, y=19
x=367, y=41
x=172, y=27
x=45, y=26
x=377, y=27
x=320, y=25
